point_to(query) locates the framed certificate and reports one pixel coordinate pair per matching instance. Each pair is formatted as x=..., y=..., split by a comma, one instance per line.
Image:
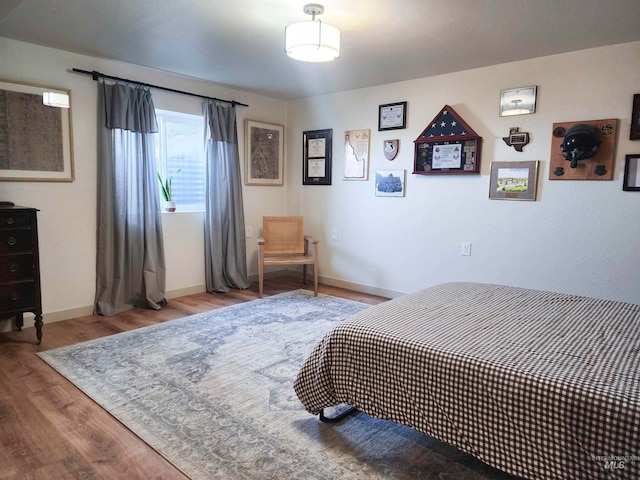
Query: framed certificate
x=316, y=157
x=392, y=116
x=518, y=101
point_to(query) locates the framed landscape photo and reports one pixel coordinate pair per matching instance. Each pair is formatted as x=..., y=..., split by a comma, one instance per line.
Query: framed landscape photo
x=316, y=157
x=631, y=182
x=264, y=153
x=392, y=116
x=635, y=118
x=518, y=101
x=35, y=133
x=513, y=180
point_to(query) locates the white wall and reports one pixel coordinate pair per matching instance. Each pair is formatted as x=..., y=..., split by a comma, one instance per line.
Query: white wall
x=67, y=217
x=579, y=237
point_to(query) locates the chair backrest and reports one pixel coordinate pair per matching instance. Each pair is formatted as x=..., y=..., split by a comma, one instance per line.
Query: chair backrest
x=283, y=235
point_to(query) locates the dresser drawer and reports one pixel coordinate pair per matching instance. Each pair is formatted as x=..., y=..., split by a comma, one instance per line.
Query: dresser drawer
x=14, y=296
x=15, y=219
x=19, y=240
x=16, y=267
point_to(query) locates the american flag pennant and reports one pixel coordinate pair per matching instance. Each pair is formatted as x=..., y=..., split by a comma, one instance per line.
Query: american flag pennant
x=447, y=124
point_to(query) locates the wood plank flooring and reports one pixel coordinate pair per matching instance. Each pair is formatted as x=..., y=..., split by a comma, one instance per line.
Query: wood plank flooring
x=51, y=430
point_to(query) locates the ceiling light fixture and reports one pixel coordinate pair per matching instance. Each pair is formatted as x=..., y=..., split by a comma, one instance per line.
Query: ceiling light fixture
x=312, y=41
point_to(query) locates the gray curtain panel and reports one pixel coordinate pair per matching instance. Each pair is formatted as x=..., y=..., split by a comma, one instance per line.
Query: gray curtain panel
x=225, y=248
x=130, y=263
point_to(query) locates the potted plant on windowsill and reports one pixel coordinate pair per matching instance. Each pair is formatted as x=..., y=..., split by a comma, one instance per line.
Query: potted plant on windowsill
x=165, y=187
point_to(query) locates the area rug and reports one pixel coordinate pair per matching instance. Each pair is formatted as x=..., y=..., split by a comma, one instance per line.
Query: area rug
x=213, y=393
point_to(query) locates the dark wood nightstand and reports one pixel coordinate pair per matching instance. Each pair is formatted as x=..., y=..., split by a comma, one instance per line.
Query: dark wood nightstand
x=20, y=266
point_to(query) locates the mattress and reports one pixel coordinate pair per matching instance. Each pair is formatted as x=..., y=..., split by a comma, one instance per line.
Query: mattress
x=539, y=384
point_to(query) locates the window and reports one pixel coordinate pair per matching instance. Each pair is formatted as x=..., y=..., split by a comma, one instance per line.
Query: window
x=180, y=146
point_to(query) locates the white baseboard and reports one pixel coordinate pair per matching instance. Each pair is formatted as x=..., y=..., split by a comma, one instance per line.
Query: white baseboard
x=356, y=287
x=181, y=292
x=359, y=287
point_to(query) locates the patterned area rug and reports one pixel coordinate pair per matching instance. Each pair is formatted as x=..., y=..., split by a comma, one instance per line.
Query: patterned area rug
x=213, y=393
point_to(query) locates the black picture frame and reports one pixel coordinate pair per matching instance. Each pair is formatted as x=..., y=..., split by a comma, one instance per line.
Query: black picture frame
x=634, y=134
x=631, y=180
x=317, y=147
x=392, y=116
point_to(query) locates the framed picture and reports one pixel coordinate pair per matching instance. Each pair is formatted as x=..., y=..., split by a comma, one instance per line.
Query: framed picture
x=264, y=153
x=356, y=154
x=35, y=133
x=631, y=182
x=448, y=145
x=390, y=183
x=316, y=157
x=392, y=116
x=513, y=180
x=518, y=101
x=635, y=118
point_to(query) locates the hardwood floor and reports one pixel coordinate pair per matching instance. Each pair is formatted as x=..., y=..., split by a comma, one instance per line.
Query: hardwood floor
x=51, y=430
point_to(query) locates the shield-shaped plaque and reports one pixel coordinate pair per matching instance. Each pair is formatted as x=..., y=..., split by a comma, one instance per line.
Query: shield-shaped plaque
x=391, y=149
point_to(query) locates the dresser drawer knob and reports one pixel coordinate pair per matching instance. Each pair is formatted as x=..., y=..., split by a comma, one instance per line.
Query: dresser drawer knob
x=15, y=296
x=11, y=241
x=13, y=268
x=10, y=221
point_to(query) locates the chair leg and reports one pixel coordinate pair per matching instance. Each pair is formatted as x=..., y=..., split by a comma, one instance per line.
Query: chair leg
x=260, y=280
x=315, y=280
x=304, y=274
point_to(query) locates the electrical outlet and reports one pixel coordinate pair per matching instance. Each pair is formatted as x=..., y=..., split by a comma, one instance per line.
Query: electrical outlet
x=334, y=234
x=249, y=231
x=466, y=249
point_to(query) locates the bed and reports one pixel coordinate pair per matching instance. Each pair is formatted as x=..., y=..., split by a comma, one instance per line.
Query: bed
x=541, y=385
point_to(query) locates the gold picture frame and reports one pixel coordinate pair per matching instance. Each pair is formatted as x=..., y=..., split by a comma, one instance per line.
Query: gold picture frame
x=264, y=154
x=36, y=141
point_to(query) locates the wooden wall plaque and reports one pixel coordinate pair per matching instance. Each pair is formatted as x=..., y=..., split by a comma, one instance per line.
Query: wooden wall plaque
x=598, y=167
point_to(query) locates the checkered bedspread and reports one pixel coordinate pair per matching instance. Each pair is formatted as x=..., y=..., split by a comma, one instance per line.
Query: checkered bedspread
x=541, y=385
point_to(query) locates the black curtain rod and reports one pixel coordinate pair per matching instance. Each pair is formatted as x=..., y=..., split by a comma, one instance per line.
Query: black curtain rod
x=97, y=75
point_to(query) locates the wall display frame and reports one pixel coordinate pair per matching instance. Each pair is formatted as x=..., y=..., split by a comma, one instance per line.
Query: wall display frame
x=518, y=101
x=390, y=148
x=634, y=134
x=390, y=183
x=264, y=154
x=631, y=181
x=316, y=157
x=36, y=141
x=392, y=116
x=597, y=167
x=447, y=146
x=514, y=180
x=356, y=154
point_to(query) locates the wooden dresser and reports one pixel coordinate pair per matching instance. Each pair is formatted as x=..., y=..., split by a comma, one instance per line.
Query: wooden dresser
x=20, y=266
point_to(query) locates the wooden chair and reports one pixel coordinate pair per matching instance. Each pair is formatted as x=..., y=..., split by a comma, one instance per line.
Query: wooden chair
x=283, y=242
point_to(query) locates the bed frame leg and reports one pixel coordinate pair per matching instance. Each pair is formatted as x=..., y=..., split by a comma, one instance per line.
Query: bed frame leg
x=338, y=417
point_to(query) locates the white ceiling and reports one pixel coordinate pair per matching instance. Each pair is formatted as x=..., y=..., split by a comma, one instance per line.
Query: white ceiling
x=240, y=42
